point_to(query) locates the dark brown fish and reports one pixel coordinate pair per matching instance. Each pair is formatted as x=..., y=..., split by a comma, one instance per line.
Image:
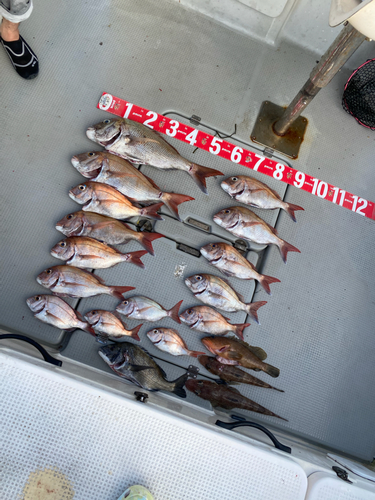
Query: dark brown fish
x=235, y=352
x=134, y=364
x=225, y=397
x=232, y=374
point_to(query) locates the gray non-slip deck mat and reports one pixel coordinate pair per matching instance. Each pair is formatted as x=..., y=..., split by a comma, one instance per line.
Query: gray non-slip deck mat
x=165, y=58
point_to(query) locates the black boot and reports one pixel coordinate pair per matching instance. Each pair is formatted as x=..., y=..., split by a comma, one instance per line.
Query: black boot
x=22, y=57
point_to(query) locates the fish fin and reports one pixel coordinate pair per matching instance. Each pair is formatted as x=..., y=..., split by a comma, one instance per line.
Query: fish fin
x=286, y=247
x=273, y=191
x=258, y=352
x=265, y=282
x=139, y=368
x=271, y=228
x=195, y=354
x=79, y=316
x=173, y=312
x=233, y=355
x=118, y=316
x=224, y=361
x=253, y=307
x=290, y=209
x=134, y=332
x=152, y=182
x=122, y=222
x=179, y=385
x=117, y=291
x=172, y=200
x=271, y=370
x=101, y=280
x=135, y=258
x=220, y=381
x=199, y=174
x=226, y=272
x=240, y=328
x=151, y=211
x=147, y=239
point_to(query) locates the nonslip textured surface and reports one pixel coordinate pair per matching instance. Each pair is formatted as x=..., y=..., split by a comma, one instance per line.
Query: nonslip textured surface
x=100, y=443
x=318, y=325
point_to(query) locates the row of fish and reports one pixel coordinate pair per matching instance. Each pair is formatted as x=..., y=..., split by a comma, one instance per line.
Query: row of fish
x=134, y=364
x=117, y=190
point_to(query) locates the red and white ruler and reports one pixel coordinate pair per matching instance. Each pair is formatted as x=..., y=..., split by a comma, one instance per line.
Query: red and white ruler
x=241, y=156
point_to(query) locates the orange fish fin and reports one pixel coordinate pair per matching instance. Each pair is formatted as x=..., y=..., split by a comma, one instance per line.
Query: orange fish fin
x=199, y=174
x=286, y=247
x=152, y=182
x=290, y=209
x=134, y=332
x=265, y=282
x=275, y=193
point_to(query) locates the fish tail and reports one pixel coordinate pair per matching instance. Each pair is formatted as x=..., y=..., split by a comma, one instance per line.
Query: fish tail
x=285, y=247
x=152, y=211
x=179, y=385
x=265, y=282
x=172, y=200
x=253, y=307
x=134, y=332
x=146, y=240
x=195, y=354
x=199, y=174
x=117, y=291
x=135, y=258
x=290, y=209
x=239, y=329
x=271, y=370
x=173, y=312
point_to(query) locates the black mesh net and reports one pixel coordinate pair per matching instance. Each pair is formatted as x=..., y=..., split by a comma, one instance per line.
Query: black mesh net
x=359, y=94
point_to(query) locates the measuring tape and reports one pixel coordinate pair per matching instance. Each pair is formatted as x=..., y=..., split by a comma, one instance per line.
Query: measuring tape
x=241, y=156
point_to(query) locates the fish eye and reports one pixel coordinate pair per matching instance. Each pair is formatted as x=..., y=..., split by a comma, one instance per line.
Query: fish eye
x=82, y=187
x=234, y=178
x=62, y=244
x=190, y=311
x=155, y=331
x=213, y=245
x=91, y=154
x=106, y=121
x=70, y=216
x=126, y=302
x=38, y=297
x=93, y=312
x=227, y=211
x=49, y=271
x=199, y=277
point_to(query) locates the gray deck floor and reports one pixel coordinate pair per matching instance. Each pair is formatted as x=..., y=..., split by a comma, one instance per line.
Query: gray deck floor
x=318, y=326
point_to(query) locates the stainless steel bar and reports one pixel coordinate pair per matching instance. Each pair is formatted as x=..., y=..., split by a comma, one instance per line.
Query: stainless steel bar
x=345, y=44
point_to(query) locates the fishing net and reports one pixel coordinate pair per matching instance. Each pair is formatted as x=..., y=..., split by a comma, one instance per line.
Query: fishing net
x=359, y=94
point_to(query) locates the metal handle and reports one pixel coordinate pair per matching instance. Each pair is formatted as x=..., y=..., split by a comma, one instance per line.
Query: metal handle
x=241, y=422
x=47, y=357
